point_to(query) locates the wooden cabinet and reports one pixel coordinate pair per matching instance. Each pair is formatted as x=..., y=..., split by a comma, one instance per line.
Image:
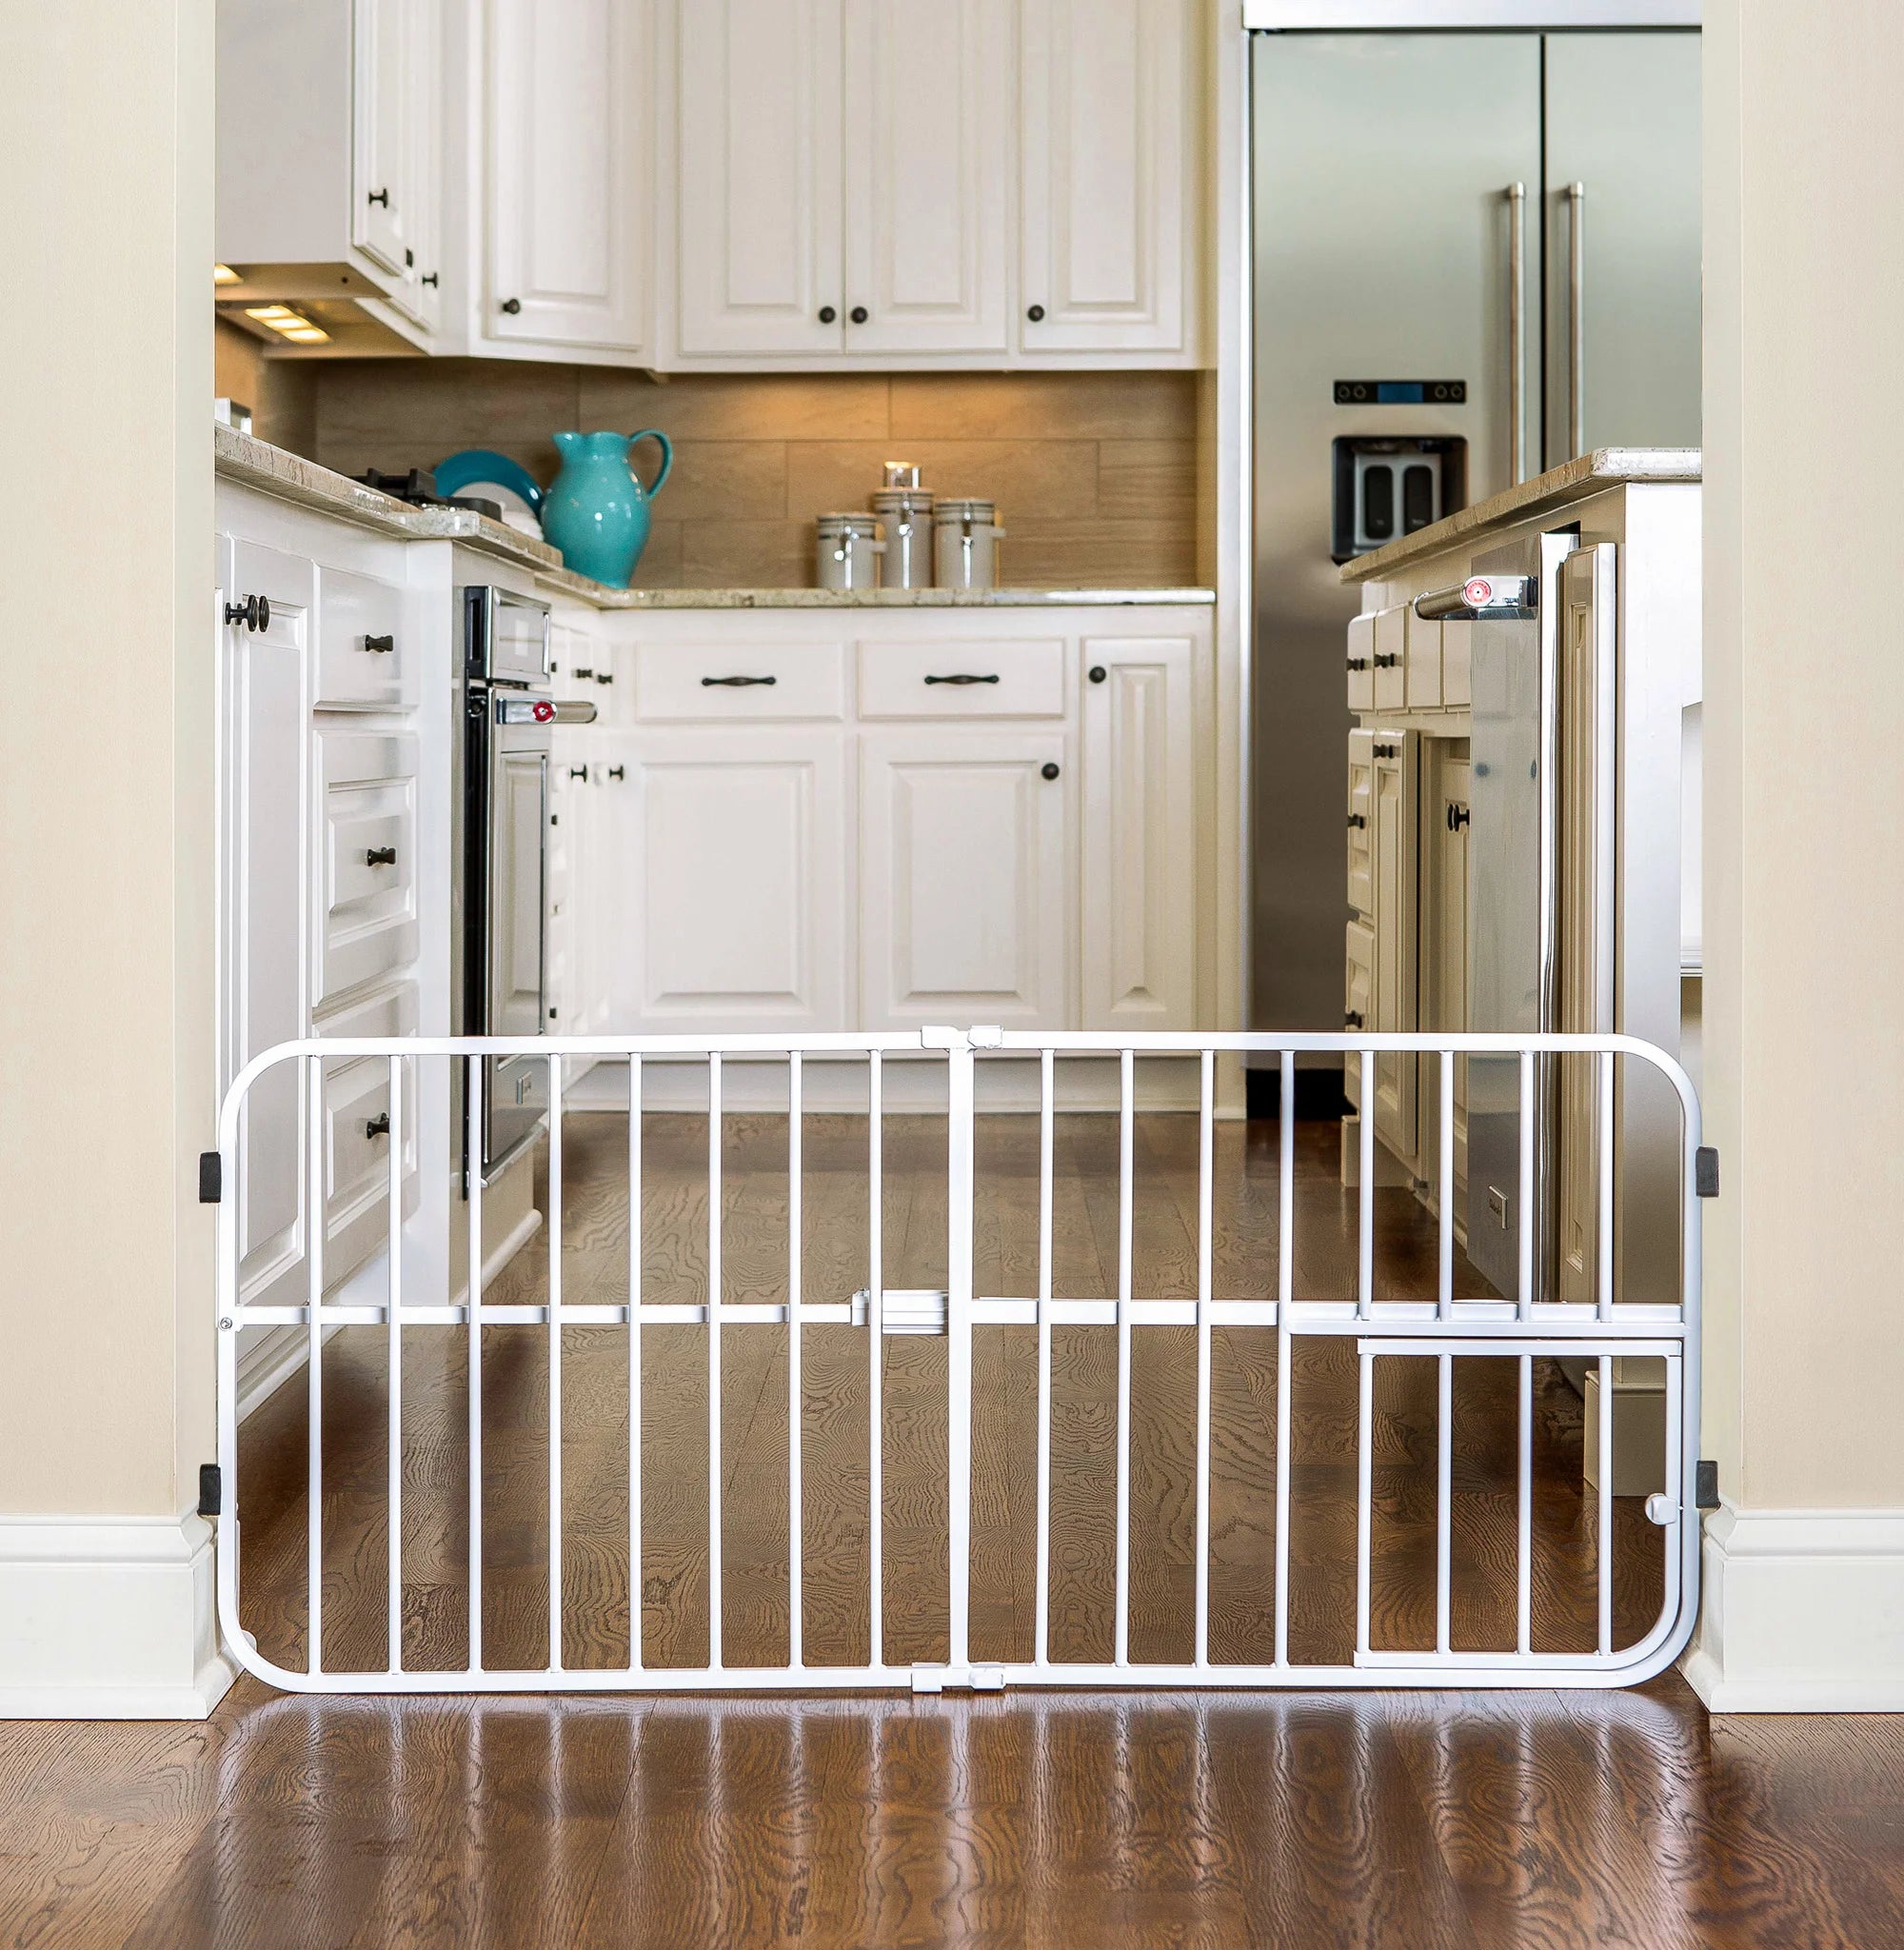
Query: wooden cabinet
x=1109, y=174
x=569, y=180
x=758, y=166
x=927, y=97
x=732, y=858
x=962, y=878
x=1137, y=960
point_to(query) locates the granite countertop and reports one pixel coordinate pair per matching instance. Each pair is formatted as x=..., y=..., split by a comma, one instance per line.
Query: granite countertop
x=272, y=470
x=1592, y=473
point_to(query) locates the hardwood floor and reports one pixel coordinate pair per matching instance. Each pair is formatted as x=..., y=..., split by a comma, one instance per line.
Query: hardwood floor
x=1405, y=1820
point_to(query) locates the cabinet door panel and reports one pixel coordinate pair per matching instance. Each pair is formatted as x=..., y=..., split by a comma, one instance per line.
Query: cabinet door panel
x=1395, y=940
x=1106, y=135
x=738, y=907
x=964, y=913
x=928, y=96
x=1138, y=837
x=759, y=186
x=266, y=845
x=569, y=178
x=1357, y=998
x=1361, y=821
x=381, y=160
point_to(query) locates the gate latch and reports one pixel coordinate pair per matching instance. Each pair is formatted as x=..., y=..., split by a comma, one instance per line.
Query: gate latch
x=211, y=1489
x=1706, y=1171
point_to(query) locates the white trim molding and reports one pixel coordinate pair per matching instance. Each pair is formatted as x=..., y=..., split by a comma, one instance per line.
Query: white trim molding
x=1802, y=1612
x=1534, y=15
x=109, y=1617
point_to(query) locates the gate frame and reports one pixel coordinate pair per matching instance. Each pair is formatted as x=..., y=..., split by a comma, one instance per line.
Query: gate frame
x=1442, y=1329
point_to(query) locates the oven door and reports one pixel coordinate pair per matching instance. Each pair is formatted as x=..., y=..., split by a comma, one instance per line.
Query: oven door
x=504, y=951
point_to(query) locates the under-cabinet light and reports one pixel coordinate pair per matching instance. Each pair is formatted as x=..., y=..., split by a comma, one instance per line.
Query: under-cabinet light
x=288, y=324
x=223, y=275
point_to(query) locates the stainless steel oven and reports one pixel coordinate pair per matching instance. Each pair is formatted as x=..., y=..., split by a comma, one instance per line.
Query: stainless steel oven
x=498, y=956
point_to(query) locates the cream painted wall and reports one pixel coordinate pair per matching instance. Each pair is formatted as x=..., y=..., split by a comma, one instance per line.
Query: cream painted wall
x=106, y=991
x=1804, y=774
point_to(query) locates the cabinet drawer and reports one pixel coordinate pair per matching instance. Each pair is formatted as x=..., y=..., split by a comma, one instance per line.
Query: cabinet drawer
x=1357, y=998
x=1361, y=821
x=1361, y=664
x=955, y=678
x=1455, y=689
x=362, y=655
x=367, y=902
x=1424, y=660
x=1391, y=674
x=741, y=681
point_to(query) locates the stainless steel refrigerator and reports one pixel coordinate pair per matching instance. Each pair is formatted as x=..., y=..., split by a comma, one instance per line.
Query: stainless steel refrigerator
x=1476, y=255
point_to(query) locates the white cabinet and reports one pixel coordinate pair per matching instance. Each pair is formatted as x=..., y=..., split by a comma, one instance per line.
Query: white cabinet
x=758, y=163
x=569, y=180
x=963, y=875
x=262, y=814
x=731, y=854
x=1137, y=958
x=928, y=101
x=1109, y=174
x=329, y=165
x=1395, y=790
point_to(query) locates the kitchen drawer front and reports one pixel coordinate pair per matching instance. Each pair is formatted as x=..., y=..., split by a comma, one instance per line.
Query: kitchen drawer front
x=1455, y=689
x=738, y=682
x=1361, y=821
x=1361, y=662
x=963, y=678
x=1424, y=661
x=367, y=897
x=362, y=652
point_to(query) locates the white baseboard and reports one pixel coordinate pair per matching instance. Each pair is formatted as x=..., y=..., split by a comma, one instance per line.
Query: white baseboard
x=1802, y=1611
x=109, y=1617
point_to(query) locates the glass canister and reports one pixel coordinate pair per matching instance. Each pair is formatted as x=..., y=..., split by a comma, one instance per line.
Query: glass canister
x=965, y=545
x=849, y=551
x=906, y=515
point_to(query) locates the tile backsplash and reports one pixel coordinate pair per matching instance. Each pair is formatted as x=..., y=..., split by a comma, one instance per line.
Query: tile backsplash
x=1095, y=474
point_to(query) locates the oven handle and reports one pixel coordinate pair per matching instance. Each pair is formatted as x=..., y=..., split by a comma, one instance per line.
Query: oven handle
x=542, y=710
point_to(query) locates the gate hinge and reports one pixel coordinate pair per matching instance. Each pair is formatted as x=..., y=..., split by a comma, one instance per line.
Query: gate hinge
x=1706, y=1171
x=1706, y=1485
x=211, y=1489
x=211, y=1178
x=970, y=1678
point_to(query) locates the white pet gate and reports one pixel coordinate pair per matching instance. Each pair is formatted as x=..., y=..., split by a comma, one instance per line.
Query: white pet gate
x=1441, y=1330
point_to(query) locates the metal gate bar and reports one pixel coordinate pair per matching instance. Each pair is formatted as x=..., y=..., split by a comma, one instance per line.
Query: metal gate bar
x=1522, y=1329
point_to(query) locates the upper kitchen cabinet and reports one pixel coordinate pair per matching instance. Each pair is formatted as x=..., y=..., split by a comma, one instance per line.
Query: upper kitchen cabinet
x=856, y=180
x=569, y=178
x=329, y=172
x=758, y=213
x=1110, y=177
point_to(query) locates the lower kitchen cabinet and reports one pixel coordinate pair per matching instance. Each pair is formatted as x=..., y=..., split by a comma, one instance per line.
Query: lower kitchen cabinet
x=729, y=847
x=963, y=848
x=1395, y=793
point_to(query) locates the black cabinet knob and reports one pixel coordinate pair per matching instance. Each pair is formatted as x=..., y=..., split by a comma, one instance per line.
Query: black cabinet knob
x=1358, y=663
x=618, y=771
x=1352, y=1019
x=579, y=772
x=827, y=314
x=1356, y=822
x=1387, y=661
x=1457, y=818
x=1048, y=769
x=428, y=277
x=380, y=856
x=254, y=612
x=382, y=646
x=858, y=314
x=1036, y=315
x=1099, y=673
x=378, y=1127
x=381, y=196
x=410, y=260
x=605, y=677
x=512, y=305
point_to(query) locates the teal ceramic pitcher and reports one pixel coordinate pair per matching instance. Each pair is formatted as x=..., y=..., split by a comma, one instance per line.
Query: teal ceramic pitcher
x=597, y=513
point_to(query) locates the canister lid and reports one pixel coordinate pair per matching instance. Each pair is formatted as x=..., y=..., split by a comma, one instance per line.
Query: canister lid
x=904, y=501
x=854, y=520
x=966, y=511
x=901, y=475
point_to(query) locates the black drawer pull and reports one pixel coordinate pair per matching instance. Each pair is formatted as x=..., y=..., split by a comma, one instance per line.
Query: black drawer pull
x=381, y=644
x=605, y=677
x=378, y=1127
x=381, y=196
x=381, y=856
x=1387, y=660
x=618, y=771
x=1356, y=822
x=1457, y=818
x=964, y=677
x=1358, y=663
x=1352, y=1019
x=737, y=682
x=579, y=772
x=582, y=670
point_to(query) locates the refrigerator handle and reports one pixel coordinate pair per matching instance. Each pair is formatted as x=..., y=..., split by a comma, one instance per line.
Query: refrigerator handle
x=1516, y=330
x=1577, y=319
